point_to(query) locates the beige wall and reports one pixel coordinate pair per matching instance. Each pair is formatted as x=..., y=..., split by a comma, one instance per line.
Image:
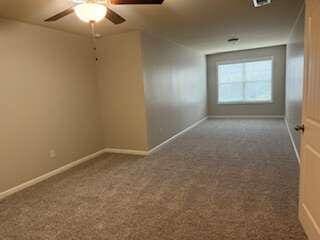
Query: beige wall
x=120, y=78
x=55, y=96
x=48, y=100
x=150, y=89
x=295, y=74
x=175, y=88
x=276, y=108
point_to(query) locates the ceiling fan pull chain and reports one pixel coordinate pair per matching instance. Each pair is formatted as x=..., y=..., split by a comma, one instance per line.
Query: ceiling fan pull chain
x=94, y=37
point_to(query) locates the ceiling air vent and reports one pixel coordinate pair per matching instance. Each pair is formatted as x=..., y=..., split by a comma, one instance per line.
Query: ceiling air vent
x=260, y=3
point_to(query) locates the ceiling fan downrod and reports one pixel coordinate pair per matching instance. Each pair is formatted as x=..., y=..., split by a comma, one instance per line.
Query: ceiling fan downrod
x=93, y=32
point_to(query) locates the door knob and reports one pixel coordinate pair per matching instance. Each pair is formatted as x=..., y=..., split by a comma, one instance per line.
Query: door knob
x=300, y=128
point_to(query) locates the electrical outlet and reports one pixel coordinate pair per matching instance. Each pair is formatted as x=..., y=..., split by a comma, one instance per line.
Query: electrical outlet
x=52, y=154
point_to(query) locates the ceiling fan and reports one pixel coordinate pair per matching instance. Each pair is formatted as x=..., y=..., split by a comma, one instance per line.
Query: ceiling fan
x=93, y=11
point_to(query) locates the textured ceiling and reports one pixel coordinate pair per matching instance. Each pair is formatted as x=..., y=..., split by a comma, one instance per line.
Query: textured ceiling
x=204, y=25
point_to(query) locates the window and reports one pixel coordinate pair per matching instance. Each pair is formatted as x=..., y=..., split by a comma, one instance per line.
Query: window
x=245, y=82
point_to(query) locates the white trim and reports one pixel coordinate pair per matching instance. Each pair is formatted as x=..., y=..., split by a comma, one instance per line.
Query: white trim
x=126, y=151
x=246, y=103
x=146, y=153
x=49, y=174
x=292, y=141
x=177, y=135
x=247, y=116
x=243, y=61
x=90, y=157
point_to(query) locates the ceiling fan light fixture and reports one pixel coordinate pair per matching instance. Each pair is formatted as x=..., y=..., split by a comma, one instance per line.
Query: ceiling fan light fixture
x=91, y=12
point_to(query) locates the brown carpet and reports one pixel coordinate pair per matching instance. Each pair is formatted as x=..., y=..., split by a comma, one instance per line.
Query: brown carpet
x=223, y=180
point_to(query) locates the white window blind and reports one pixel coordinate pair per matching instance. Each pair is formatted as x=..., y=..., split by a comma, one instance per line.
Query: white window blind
x=245, y=82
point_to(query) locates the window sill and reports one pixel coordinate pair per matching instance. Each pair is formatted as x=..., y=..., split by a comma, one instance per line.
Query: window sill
x=245, y=103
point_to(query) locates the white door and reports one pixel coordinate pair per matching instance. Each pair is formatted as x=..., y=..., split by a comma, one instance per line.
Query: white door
x=309, y=206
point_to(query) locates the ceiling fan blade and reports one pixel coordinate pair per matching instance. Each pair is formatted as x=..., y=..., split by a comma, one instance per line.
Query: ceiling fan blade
x=114, y=17
x=137, y=1
x=60, y=15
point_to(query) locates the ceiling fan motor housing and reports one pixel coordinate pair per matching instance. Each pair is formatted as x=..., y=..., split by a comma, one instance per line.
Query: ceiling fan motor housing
x=88, y=8
x=90, y=1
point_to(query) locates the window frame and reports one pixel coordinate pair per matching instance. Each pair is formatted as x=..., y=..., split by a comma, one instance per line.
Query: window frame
x=245, y=60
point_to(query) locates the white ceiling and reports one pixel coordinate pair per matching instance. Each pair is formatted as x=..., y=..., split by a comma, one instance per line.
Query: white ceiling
x=204, y=25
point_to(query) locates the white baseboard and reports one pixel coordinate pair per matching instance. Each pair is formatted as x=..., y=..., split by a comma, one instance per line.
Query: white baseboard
x=146, y=153
x=126, y=151
x=87, y=158
x=247, y=116
x=177, y=135
x=292, y=141
x=49, y=174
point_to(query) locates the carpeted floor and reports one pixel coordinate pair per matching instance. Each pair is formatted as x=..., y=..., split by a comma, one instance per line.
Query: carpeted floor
x=223, y=180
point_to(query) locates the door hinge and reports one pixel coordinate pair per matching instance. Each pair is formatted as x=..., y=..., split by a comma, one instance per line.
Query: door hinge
x=300, y=128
